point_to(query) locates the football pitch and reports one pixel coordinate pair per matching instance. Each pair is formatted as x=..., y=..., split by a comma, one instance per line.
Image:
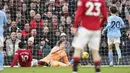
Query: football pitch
x=65, y=70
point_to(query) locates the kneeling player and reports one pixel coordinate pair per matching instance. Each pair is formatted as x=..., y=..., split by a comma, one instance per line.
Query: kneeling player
x=23, y=56
x=56, y=54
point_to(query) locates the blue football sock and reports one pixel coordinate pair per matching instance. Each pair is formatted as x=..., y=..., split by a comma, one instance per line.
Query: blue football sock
x=1, y=59
x=119, y=52
x=110, y=54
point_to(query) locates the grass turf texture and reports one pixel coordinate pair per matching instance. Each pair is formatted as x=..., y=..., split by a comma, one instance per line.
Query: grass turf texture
x=64, y=70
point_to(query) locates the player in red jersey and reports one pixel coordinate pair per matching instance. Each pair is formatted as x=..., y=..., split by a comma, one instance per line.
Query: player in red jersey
x=24, y=56
x=88, y=14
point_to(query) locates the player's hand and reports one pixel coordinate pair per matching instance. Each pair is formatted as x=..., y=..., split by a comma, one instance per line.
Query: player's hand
x=102, y=33
x=74, y=31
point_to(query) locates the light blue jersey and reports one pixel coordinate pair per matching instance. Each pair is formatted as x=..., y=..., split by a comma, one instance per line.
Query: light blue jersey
x=114, y=24
x=3, y=20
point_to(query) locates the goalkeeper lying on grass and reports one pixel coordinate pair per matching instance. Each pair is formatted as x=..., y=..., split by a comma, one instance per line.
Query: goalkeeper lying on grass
x=57, y=53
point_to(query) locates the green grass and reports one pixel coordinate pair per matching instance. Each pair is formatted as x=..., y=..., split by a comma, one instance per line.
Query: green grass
x=65, y=70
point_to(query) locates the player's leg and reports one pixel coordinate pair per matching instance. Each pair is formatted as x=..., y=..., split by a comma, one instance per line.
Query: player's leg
x=94, y=44
x=54, y=64
x=1, y=59
x=62, y=64
x=58, y=64
x=110, y=53
x=1, y=54
x=118, y=50
x=117, y=44
x=43, y=62
x=79, y=43
x=72, y=61
x=76, y=58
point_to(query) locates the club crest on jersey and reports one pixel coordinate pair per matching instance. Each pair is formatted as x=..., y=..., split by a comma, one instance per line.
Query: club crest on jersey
x=79, y=3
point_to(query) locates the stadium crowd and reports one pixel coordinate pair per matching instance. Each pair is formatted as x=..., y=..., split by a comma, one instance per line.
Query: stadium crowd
x=41, y=23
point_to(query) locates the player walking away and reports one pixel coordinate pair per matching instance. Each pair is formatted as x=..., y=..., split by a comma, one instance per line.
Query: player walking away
x=114, y=24
x=23, y=56
x=89, y=31
x=3, y=20
x=57, y=53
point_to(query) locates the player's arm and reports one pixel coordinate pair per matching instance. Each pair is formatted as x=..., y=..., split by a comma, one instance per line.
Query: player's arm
x=122, y=23
x=65, y=58
x=5, y=19
x=30, y=55
x=55, y=49
x=103, y=13
x=15, y=59
x=78, y=13
x=107, y=26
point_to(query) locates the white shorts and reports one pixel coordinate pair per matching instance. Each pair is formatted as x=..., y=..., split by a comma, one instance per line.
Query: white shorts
x=1, y=42
x=84, y=37
x=113, y=40
x=34, y=62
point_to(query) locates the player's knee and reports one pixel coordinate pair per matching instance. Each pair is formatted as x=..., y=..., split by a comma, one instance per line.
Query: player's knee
x=95, y=53
x=117, y=46
x=109, y=47
x=95, y=50
x=1, y=49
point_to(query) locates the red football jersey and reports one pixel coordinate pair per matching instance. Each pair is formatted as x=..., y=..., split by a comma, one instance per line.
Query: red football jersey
x=89, y=13
x=24, y=57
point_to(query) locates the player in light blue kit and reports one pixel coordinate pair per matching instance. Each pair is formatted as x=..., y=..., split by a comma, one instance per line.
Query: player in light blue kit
x=3, y=20
x=114, y=24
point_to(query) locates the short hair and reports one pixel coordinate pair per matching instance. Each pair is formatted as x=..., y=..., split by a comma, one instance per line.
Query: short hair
x=22, y=45
x=60, y=41
x=113, y=9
